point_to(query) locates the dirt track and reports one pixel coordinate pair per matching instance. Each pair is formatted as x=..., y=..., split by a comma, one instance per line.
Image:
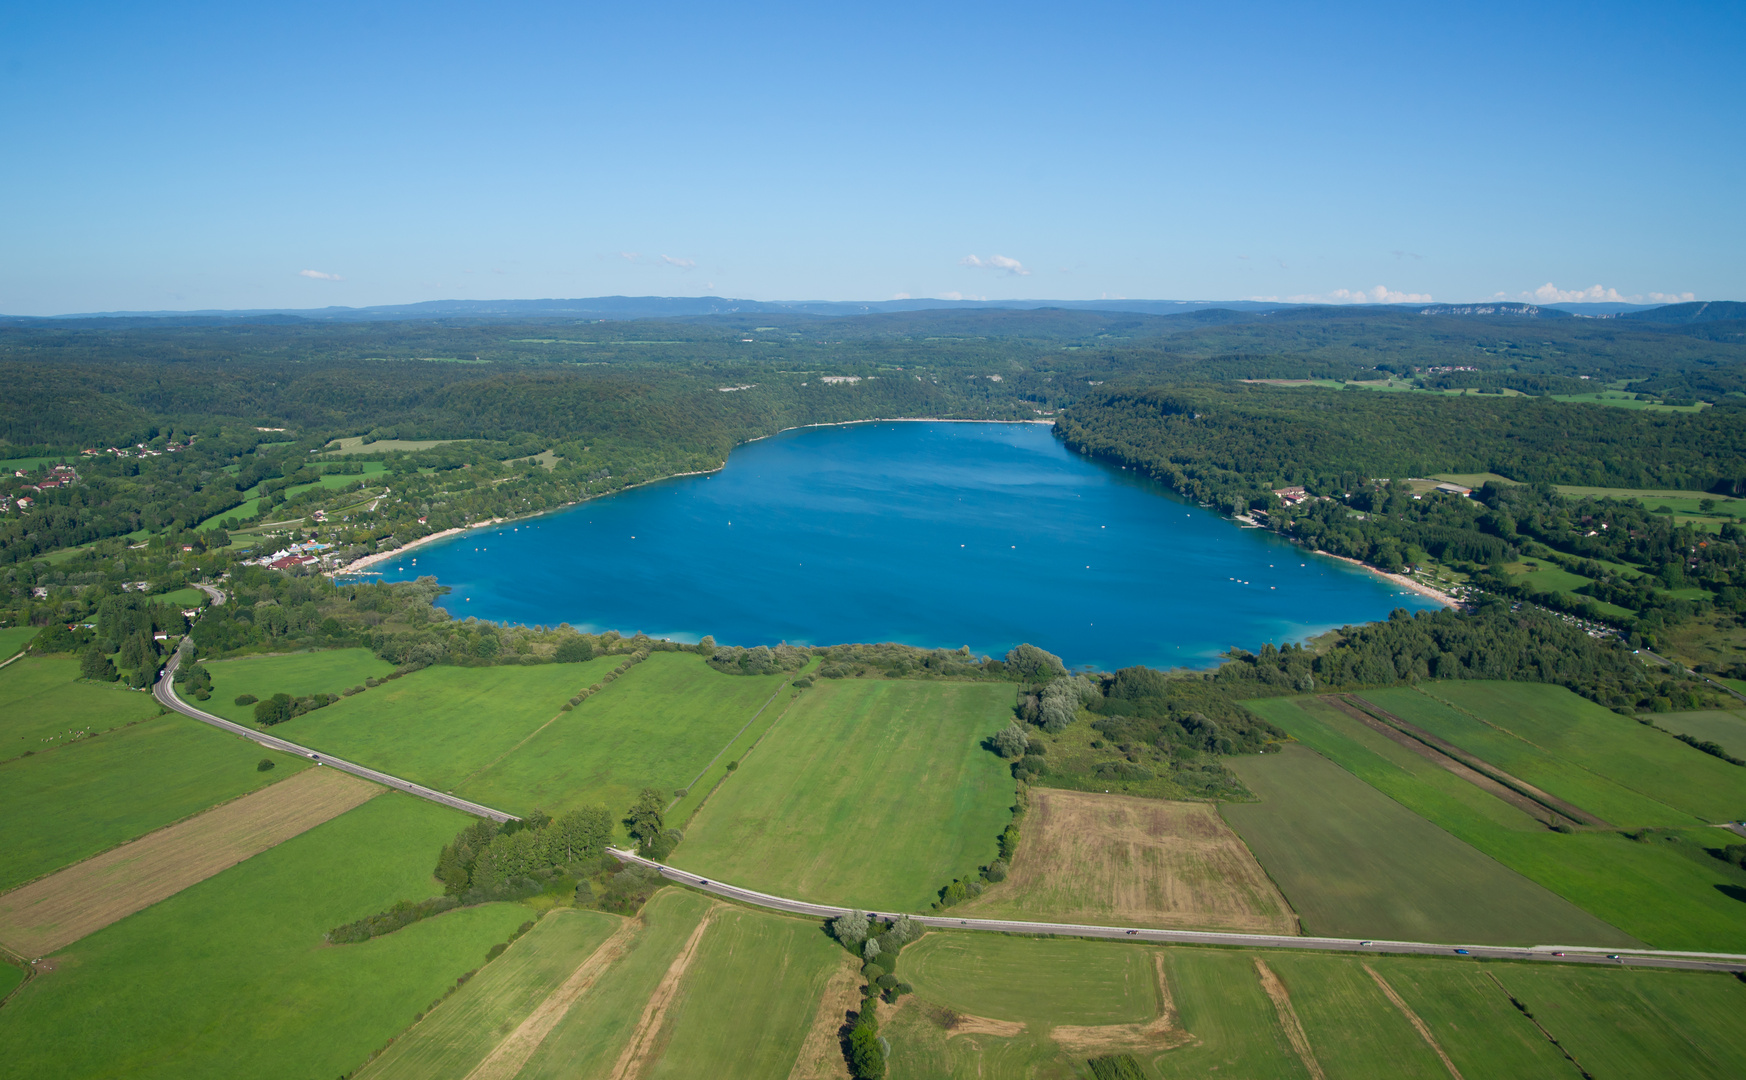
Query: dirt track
x=53, y=912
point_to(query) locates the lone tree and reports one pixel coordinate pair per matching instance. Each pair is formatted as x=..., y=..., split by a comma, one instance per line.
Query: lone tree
x=1011, y=743
x=1031, y=662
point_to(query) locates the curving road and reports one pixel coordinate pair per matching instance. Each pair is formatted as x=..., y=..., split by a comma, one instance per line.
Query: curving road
x=1575, y=954
x=165, y=692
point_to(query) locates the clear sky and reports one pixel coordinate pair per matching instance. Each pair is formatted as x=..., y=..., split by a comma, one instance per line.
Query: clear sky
x=227, y=155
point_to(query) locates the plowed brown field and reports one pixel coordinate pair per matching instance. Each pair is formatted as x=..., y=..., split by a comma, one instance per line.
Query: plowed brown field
x=53, y=912
x=1116, y=859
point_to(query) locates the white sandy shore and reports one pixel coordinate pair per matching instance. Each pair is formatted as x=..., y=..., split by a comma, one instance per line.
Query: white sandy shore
x=1400, y=579
x=383, y=556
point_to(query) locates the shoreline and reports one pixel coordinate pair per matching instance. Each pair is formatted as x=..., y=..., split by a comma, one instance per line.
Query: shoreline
x=1399, y=579
x=383, y=556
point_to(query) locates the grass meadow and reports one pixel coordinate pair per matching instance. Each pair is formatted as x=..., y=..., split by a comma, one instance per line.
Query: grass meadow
x=587, y=1042
x=1613, y=802
x=44, y=705
x=458, y=1034
x=1355, y=863
x=1219, y=1000
x=14, y=638
x=330, y=671
x=747, y=1000
x=1664, y=892
x=1724, y=727
x=231, y=977
x=1637, y=1022
x=76, y=800
x=443, y=724
x=657, y=726
x=1034, y=980
x=1586, y=736
x=874, y=793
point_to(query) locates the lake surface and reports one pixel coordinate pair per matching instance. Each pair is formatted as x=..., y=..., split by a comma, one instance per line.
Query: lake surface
x=934, y=534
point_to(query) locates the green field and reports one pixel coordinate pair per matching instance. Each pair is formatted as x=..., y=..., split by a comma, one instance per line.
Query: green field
x=330, y=671
x=1724, y=727
x=657, y=726
x=231, y=977
x=442, y=724
x=1471, y=1019
x=869, y=792
x=1355, y=863
x=74, y=801
x=1219, y=1000
x=458, y=1035
x=587, y=1042
x=1035, y=981
x=748, y=998
x=1638, y=1022
x=14, y=638
x=356, y=445
x=188, y=597
x=43, y=705
x=1535, y=762
x=1590, y=737
x=1664, y=891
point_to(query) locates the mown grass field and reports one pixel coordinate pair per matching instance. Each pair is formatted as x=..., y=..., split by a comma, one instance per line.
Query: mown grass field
x=231, y=978
x=657, y=726
x=441, y=725
x=1665, y=893
x=1117, y=860
x=1584, y=735
x=747, y=1000
x=1612, y=801
x=1638, y=1022
x=1352, y=1027
x=1219, y=1000
x=586, y=1044
x=457, y=1035
x=1724, y=727
x=1355, y=863
x=330, y=671
x=44, y=705
x=71, y=802
x=1034, y=981
x=14, y=638
x=874, y=793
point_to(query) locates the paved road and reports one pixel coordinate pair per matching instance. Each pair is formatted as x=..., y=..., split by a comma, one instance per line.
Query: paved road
x=1556, y=953
x=213, y=593
x=165, y=693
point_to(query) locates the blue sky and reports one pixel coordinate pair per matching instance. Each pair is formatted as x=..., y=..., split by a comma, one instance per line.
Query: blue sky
x=177, y=156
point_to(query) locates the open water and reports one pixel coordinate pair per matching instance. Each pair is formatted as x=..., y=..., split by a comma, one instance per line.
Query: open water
x=934, y=534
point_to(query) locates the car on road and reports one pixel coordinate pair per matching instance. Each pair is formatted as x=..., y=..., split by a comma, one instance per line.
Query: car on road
x=1462, y=952
x=1614, y=956
x=1133, y=931
x=1363, y=943
x=1557, y=954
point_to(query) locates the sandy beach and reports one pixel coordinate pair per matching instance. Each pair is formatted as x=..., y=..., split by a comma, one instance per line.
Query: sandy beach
x=383, y=556
x=1400, y=579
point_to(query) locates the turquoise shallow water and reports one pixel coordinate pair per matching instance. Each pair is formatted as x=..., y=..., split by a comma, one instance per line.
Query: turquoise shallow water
x=933, y=534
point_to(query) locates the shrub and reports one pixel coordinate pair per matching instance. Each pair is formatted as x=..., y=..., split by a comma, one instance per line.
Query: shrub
x=866, y=1057
x=996, y=871
x=680, y=793
x=872, y=972
x=732, y=765
x=495, y=951
x=1116, y=1067
x=246, y=699
x=404, y=913
x=353, y=690
x=265, y=765
x=803, y=682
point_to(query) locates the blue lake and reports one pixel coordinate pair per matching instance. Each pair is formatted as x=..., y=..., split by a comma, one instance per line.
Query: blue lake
x=934, y=534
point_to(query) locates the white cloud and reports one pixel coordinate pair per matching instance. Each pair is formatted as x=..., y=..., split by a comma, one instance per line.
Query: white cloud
x=319, y=276
x=1601, y=294
x=999, y=263
x=958, y=296
x=900, y=296
x=683, y=264
x=629, y=256
x=1382, y=294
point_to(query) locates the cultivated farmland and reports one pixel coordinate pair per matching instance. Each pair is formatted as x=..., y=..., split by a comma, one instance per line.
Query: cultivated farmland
x=1106, y=859
x=232, y=977
x=1724, y=727
x=1662, y=890
x=1354, y=863
x=42, y=706
x=460, y=1033
x=1038, y=982
x=71, y=802
x=874, y=793
x=53, y=912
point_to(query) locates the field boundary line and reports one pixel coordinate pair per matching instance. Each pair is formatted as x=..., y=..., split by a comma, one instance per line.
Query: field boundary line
x=730, y=742
x=510, y=1056
x=635, y=1056
x=1523, y=1009
x=1294, y=1033
x=1407, y=1011
x=715, y=787
x=820, y=1057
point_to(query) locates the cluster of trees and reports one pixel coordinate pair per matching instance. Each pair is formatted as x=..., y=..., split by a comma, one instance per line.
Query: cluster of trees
x=878, y=944
x=491, y=861
x=891, y=660
x=645, y=825
x=759, y=660
x=282, y=707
